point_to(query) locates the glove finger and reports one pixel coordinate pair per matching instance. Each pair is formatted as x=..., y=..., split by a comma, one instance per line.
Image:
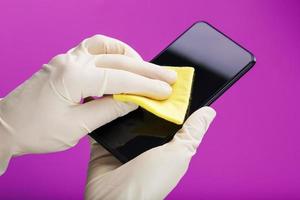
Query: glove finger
x=156, y=172
x=140, y=67
x=99, y=81
x=100, y=44
x=96, y=113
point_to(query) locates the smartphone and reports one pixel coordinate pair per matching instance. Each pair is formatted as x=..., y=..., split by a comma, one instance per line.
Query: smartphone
x=218, y=61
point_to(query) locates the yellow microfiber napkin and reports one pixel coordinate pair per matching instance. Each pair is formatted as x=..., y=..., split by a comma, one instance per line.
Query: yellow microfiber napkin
x=172, y=109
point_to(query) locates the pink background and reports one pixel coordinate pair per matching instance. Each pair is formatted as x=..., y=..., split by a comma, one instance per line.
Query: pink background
x=252, y=150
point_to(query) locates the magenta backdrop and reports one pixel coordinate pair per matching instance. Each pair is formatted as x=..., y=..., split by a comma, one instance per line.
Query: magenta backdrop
x=252, y=150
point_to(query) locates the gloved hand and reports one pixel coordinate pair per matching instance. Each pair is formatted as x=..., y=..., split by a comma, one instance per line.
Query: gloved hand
x=44, y=114
x=153, y=174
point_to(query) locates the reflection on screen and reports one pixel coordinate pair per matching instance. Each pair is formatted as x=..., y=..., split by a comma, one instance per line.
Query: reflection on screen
x=216, y=60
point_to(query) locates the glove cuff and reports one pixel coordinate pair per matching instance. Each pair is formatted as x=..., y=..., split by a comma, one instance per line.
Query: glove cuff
x=6, y=151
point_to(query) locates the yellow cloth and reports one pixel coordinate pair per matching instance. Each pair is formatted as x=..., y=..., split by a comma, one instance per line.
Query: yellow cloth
x=172, y=109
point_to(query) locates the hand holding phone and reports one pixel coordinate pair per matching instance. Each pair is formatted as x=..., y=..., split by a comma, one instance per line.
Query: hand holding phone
x=153, y=174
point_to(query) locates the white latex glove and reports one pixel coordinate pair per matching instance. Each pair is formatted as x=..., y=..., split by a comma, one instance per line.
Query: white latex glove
x=44, y=114
x=153, y=174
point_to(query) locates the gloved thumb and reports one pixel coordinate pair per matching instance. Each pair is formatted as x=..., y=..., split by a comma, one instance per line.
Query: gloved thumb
x=95, y=113
x=193, y=130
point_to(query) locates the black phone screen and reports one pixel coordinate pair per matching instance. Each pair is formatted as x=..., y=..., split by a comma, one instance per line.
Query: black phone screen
x=218, y=63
